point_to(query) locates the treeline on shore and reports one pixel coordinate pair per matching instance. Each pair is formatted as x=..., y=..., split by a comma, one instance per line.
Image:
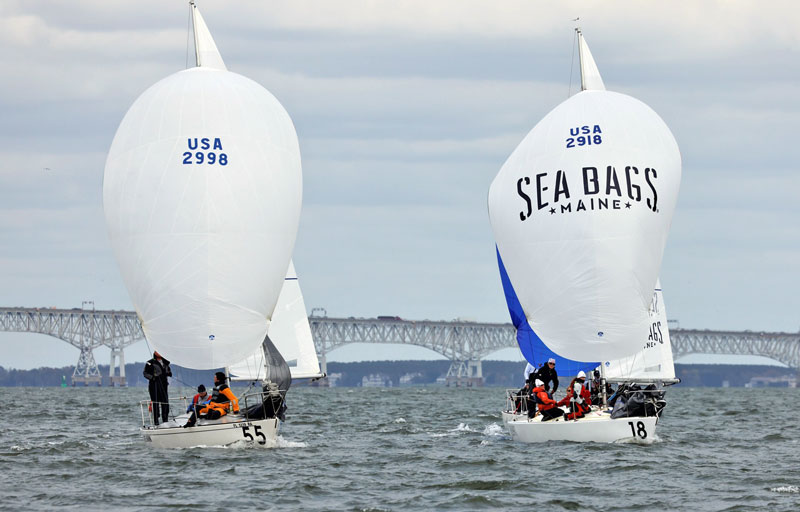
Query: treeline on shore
x=495, y=373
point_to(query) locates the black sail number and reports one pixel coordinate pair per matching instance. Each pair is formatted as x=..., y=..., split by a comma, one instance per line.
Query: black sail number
x=257, y=430
x=638, y=429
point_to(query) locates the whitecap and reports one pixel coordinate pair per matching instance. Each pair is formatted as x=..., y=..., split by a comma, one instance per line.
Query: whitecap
x=493, y=429
x=400, y=420
x=635, y=440
x=791, y=489
x=285, y=443
x=462, y=427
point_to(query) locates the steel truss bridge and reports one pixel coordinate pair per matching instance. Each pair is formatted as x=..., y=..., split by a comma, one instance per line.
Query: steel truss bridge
x=465, y=344
x=85, y=329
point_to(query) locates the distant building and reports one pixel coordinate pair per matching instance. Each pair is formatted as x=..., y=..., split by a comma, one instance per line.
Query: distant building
x=784, y=381
x=333, y=379
x=376, y=380
x=408, y=378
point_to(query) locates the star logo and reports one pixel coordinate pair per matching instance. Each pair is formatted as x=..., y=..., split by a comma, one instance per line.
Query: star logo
x=627, y=205
x=552, y=211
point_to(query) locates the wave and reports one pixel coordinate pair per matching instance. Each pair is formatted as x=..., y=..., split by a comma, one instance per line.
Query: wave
x=494, y=430
x=462, y=427
x=790, y=489
x=285, y=443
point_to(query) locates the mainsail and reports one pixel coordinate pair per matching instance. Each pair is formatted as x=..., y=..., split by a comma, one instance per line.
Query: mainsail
x=291, y=334
x=654, y=360
x=202, y=194
x=580, y=212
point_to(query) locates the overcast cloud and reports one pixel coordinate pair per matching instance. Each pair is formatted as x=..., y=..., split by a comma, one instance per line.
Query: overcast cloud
x=405, y=112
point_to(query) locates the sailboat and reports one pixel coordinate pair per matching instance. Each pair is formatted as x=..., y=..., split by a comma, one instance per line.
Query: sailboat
x=202, y=193
x=580, y=212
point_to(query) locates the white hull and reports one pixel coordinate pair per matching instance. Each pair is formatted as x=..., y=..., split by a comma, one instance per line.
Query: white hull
x=510, y=416
x=595, y=427
x=227, y=430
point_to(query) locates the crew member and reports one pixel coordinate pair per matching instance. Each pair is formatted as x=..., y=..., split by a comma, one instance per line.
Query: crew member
x=156, y=372
x=547, y=406
x=222, y=399
x=596, y=388
x=578, y=398
x=547, y=374
x=529, y=369
x=526, y=394
x=201, y=398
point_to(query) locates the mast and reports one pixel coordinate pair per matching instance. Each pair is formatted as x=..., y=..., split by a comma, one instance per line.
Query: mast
x=193, y=9
x=603, y=392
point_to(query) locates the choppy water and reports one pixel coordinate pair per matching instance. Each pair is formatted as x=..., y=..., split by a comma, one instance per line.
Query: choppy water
x=401, y=449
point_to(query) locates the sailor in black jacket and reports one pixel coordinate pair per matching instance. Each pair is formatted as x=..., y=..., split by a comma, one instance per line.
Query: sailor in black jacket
x=546, y=374
x=156, y=371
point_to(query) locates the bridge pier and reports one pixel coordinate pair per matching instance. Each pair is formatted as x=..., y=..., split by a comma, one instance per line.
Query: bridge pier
x=465, y=373
x=86, y=371
x=113, y=380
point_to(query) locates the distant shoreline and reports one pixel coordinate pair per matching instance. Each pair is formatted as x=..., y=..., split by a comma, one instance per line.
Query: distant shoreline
x=417, y=373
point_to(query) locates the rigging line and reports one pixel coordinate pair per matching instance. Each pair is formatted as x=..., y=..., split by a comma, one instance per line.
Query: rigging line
x=572, y=64
x=188, y=36
x=183, y=382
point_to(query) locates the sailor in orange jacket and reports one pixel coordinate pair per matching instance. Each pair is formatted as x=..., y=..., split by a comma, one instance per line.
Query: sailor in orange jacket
x=222, y=400
x=547, y=406
x=578, y=398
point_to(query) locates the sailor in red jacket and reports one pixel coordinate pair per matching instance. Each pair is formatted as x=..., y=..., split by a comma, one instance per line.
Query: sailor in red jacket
x=547, y=406
x=578, y=398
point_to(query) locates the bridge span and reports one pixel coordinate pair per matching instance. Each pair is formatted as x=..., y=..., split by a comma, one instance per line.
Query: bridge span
x=465, y=344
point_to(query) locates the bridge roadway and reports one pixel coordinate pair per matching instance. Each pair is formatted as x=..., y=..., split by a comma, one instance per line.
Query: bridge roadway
x=464, y=343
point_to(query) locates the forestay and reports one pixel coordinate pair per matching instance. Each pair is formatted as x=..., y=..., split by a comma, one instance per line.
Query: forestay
x=580, y=212
x=202, y=194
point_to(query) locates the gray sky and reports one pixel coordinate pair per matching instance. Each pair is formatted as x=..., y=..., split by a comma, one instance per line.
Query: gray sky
x=405, y=112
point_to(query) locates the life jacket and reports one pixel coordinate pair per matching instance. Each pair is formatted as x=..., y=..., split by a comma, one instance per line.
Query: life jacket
x=543, y=401
x=587, y=396
x=217, y=396
x=578, y=397
x=222, y=398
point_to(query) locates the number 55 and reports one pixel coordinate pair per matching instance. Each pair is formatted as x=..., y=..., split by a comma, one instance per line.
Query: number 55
x=257, y=430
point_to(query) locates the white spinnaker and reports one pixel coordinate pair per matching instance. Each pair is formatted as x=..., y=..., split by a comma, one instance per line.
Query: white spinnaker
x=202, y=193
x=654, y=360
x=584, y=250
x=291, y=335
